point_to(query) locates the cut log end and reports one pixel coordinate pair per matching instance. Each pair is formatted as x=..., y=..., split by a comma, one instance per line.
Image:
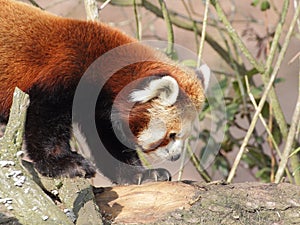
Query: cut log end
x=144, y=203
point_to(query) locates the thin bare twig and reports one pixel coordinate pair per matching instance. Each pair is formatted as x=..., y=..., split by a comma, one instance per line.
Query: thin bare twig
x=195, y=29
x=183, y=157
x=252, y=99
x=203, y=173
x=290, y=143
x=33, y=2
x=203, y=33
x=298, y=23
x=170, y=48
x=92, y=10
x=278, y=114
x=104, y=4
x=137, y=21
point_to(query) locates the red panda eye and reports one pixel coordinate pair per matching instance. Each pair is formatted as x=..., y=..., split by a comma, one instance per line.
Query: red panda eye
x=172, y=136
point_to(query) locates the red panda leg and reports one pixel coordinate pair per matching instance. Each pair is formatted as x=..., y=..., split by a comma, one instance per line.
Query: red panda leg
x=47, y=136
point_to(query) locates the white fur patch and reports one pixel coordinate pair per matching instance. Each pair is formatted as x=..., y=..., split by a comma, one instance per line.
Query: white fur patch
x=171, y=151
x=165, y=88
x=156, y=131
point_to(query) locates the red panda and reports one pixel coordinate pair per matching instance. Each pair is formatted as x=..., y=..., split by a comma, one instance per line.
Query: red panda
x=46, y=56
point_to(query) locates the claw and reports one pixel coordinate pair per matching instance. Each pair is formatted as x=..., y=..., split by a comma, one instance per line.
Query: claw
x=139, y=178
x=156, y=175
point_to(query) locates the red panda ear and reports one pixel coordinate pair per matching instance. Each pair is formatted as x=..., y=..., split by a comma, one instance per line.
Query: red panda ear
x=203, y=73
x=166, y=89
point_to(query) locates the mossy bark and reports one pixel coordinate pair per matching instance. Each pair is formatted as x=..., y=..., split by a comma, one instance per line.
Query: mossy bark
x=25, y=196
x=195, y=203
x=20, y=196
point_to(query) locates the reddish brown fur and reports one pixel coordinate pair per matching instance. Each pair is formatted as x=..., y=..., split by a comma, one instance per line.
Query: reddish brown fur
x=36, y=42
x=40, y=49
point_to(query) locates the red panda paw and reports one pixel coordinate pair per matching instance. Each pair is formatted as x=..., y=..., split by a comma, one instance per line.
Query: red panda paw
x=70, y=165
x=150, y=175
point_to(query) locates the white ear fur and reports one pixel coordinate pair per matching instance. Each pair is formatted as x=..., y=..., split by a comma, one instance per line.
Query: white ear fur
x=204, y=75
x=165, y=88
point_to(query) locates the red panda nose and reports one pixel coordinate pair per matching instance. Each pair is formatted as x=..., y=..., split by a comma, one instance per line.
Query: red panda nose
x=172, y=136
x=175, y=157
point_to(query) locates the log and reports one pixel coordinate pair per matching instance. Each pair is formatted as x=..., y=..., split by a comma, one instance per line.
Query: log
x=197, y=203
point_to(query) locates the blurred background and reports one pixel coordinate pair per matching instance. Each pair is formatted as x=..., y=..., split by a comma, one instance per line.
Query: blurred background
x=256, y=26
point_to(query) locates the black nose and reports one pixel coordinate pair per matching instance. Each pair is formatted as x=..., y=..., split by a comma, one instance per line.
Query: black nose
x=175, y=157
x=172, y=136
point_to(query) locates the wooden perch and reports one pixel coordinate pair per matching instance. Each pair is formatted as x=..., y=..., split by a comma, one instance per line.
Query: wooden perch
x=144, y=203
x=181, y=203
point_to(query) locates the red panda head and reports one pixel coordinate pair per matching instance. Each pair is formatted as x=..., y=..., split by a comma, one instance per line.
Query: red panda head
x=165, y=110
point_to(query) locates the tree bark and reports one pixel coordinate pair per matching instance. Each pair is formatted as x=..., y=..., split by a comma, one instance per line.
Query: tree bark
x=21, y=196
x=25, y=196
x=196, y=203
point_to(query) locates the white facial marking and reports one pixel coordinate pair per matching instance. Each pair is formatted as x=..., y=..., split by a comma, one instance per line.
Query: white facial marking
x=156, y=131
x=165, y=88
x=171, y=151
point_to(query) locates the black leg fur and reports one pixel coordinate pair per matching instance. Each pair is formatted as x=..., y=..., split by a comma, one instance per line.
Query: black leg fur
x=47, y=136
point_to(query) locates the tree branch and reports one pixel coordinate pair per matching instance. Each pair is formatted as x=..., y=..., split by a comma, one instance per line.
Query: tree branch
x=27, y=202
x=23, y=191
x=92, y=10
x=170, y=32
